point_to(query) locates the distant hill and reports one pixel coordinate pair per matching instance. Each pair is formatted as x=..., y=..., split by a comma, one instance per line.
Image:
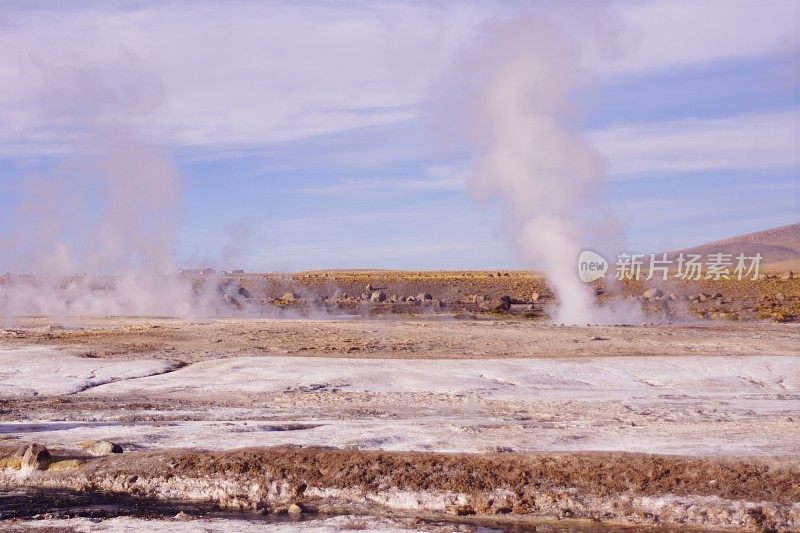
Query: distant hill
x=779, y=247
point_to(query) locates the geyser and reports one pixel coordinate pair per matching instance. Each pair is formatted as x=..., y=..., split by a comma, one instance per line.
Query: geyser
x=515, y=90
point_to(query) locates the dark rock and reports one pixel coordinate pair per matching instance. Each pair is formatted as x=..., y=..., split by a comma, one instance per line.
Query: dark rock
x=502, y=306
x=377, y=296
x=231, y=301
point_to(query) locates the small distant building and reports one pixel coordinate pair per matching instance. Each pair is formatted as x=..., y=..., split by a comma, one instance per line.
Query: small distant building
x=198, y=271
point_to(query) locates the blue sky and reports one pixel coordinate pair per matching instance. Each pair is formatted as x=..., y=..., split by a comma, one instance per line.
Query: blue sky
x=302, y=136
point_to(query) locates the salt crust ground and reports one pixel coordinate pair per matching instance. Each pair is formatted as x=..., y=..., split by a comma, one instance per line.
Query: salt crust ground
x=709, y=405
x=43, y=371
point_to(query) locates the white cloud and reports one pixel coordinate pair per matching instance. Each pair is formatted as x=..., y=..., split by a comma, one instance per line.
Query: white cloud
x=770, y=140
x=237, y=73
x=241, y=73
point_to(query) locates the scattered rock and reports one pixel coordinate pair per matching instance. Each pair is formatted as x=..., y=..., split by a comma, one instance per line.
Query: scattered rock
x=461, y=510
x=233, y=288
x=377, y=296
x=780, y=297
x=786, y=276
x=504, y=305
x=231, y=301
x=652, y=294
x=294, y=509
x=35, y=457
x=101, y=447
x=369, y=288
x=424, y=296
x=290, y=297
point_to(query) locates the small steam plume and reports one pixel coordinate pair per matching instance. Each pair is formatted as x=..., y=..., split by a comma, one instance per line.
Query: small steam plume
x=514, y=94
x=95, y=236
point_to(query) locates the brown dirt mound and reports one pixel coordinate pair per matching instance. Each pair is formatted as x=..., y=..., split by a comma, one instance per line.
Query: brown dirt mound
x=591, y=473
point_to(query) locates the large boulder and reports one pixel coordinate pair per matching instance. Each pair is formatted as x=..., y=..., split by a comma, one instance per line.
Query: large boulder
x=424, y=296
x=35, y=457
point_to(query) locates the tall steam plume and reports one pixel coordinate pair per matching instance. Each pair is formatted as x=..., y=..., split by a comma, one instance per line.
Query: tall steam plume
x=516, y=87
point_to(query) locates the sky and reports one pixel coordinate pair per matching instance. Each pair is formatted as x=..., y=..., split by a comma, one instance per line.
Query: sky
x=304, y=135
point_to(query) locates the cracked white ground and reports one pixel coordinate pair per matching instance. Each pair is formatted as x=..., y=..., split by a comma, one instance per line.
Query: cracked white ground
x=699, y=405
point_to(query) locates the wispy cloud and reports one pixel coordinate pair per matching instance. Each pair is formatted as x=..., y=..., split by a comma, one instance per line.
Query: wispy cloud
x=662, y=34
x=770, y=140
x=435, y=178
